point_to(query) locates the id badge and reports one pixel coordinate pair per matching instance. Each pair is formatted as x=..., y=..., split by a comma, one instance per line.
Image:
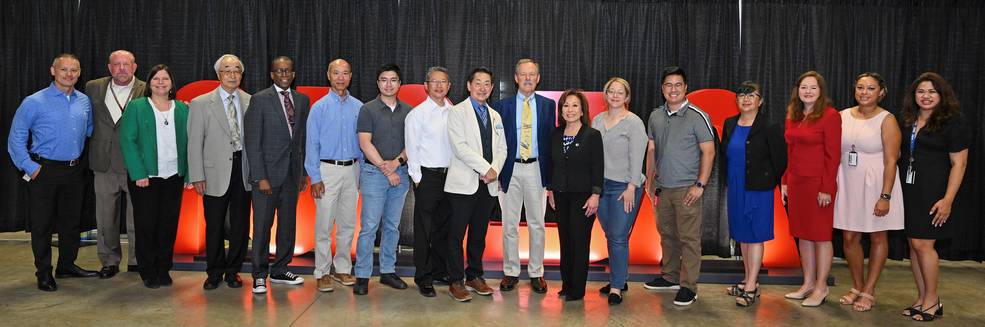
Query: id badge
x=911, y=176
x=853, y=158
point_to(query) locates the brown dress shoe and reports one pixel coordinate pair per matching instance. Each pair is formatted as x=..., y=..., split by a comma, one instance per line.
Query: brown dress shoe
x=344, y=279
x=539, y=285
x=458, y=292
x=325, y=283
x=479, y=286
x=508, y=283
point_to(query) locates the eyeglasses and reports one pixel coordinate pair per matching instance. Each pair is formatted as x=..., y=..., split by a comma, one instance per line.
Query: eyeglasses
x=389, y=80
x=747, y=96
x=673, y=85
x=282, y=71
x=438, y=82
x=231, y=72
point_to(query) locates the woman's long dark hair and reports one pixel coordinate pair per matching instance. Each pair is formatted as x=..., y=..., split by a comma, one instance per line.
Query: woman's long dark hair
x=946, y=109
x=150, y=76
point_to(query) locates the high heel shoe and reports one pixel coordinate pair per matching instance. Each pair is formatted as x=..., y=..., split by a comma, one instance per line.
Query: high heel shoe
x=909, y=312
x=798, y=296
x=924, y=316
x=814, y=303
x=746, y=298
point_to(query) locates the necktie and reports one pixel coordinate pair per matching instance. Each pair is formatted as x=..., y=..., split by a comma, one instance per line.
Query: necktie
x=483, y=115
x=526, y=130
x=289, y=108
x=233, y=123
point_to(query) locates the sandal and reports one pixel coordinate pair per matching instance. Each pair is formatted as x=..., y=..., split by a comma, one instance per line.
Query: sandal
x=746, y=299
x=849, y=298
x=924, y=316
x=859, y=306
x=736, y=290
x=909, y=312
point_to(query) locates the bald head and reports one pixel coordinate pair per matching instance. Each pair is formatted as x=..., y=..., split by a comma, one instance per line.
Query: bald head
x=339, y=75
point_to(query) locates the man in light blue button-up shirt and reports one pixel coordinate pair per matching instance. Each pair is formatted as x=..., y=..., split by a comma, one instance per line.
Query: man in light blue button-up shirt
x=58, y=120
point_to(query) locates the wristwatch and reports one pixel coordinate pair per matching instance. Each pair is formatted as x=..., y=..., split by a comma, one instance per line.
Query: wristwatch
x=699, y=184
x=885, y=196
x=401, y=160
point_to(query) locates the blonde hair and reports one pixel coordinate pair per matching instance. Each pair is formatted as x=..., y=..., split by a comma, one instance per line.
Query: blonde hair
x=624, y=83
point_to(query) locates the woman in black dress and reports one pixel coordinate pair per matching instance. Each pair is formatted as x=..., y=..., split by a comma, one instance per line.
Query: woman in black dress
x=576, y=182
x=932, y=163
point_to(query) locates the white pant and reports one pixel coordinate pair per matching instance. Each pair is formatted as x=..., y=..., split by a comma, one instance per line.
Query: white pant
x=525, y=191
x=337, y=206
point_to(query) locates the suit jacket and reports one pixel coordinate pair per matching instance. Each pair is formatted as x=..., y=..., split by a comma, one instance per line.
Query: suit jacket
x=546, y=121
x=766, y=154
x=210, y=147
x=104, y=145
x=467, y=163
x=582, y=168
x=138, y=138
x=271, y=149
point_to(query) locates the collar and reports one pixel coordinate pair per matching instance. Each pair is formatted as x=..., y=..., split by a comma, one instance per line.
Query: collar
x=133, y=80
x=679, y=112
x=335, y=96
x=223, y=95
x=521, y=98
x=53, y=90
x=436, y=105
x=279, y=90
x=476, y=105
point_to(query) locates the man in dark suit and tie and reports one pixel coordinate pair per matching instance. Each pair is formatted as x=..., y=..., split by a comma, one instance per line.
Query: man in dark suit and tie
x=528, y=121
x=218, y=169
x=109, y=96
x=274, y=135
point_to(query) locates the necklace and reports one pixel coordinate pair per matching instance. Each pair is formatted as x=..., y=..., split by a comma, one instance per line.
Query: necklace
x=164, y=115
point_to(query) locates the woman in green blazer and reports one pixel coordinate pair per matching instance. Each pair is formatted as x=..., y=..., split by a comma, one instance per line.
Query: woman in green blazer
x=154, y=139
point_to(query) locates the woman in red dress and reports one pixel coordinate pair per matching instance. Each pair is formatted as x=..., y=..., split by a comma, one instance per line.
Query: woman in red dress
x=813, y=136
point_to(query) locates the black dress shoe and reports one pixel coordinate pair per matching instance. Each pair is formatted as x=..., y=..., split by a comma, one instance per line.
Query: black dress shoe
x=392, y=280
x=440, y=279
x=74, y=271
x=615, y=298
x=233, y=280
x=539, y=285
x=211, y=283
x=508, y=283
x=361, y=287
x=108, y=272
x=426, y=290
x=152, y=283
x=46, y=282
x=605, y=289
x=165, y=279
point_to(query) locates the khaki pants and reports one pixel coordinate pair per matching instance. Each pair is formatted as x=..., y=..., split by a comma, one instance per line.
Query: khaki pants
x=680, y=237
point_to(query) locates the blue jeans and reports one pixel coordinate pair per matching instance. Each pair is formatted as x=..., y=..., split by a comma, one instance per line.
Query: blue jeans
x=381, y=202
x=617, y=225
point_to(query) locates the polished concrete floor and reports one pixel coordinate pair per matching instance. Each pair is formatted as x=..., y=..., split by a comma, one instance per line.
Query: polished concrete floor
x=123, y=301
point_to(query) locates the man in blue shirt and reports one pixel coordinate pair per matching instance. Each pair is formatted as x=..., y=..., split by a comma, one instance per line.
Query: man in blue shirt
x=332, y=161
x=58, y=120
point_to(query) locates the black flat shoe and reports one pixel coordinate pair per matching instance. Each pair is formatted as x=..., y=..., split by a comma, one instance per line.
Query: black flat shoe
x=426, y=290
x=615, y=298
x=361, y=287
x=574, y=298
x=165, y=279
x=47, y=283
x=393, y=280
x=152, y=283
x=211, y=283
x=605, y=289
x=234, y=281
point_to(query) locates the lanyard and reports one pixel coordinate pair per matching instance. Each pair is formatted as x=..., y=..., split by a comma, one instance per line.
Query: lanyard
x=913, y=141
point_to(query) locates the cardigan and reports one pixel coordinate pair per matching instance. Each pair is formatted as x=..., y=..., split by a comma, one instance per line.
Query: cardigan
x=138, y=138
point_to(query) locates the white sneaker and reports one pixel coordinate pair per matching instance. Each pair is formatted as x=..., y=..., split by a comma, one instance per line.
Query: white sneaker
x=259, y=285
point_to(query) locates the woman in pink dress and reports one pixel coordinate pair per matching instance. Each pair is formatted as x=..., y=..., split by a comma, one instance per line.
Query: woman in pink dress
x=869, y=198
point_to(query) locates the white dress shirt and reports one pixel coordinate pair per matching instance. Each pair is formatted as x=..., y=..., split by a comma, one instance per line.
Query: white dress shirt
x=121, y=99
x=167, y=142
x=426, y=137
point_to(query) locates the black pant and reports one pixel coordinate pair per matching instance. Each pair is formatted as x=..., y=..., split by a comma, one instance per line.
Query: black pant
x=236, y=202
x=55, y=204
x=472, y=212
x=284, y=201
x=431, y=213
x=156, y=209
x=575, y=233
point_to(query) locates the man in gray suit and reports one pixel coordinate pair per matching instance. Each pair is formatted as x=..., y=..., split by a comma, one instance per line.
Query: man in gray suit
x=275, y=125
x=109, y=96
x=218, y=168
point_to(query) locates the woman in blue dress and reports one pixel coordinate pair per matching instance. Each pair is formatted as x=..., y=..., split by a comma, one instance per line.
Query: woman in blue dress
x=753, y=160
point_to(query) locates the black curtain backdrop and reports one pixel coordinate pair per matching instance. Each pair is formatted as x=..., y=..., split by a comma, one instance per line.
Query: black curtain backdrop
x=579, y=44
x=898, y=39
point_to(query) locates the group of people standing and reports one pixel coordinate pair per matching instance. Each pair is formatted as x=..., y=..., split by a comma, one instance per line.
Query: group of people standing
x=852, y=170
x=859, y=170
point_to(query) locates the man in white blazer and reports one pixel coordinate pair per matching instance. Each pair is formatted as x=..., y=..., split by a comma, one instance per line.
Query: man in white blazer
x=479, y=150
x=219, y=170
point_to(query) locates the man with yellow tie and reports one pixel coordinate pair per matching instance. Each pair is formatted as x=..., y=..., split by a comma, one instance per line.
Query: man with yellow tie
x=528, y=120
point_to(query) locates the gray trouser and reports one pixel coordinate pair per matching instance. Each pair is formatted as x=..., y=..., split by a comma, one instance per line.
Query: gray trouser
x=336, y=207
x=109, y=187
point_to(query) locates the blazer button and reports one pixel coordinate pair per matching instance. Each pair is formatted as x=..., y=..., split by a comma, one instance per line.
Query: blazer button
x=747, y=142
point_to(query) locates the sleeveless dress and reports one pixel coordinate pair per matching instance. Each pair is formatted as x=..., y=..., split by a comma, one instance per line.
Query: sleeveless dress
x=859, y=186
x=750, y=213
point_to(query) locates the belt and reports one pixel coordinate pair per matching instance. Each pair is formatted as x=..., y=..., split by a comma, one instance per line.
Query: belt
x=528, y=160
x=339, y=162
x=441, y=170
x=41, y=160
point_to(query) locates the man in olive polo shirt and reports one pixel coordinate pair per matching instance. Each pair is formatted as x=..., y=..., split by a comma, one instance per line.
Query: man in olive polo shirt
x=683, y=148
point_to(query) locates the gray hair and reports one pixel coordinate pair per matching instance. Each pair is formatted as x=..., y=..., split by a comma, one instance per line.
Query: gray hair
x=525, y=61
x=129, y=54
x=218, y=63
x=427, y=77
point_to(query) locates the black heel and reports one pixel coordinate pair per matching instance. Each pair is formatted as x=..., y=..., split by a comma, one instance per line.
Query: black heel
x=747, y=298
